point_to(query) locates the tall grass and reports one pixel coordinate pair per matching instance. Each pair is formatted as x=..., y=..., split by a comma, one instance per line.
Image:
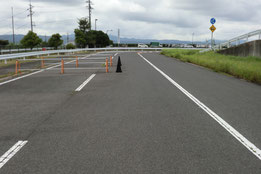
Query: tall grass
x=248, y=68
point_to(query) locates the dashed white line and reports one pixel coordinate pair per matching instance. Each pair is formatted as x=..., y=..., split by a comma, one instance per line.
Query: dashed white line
x=85, y=83
x=11, y=152
x=250, y=146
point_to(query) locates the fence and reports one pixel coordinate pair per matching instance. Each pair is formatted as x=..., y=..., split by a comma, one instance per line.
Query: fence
x=68, y=63
x=236, y=40
x=42, y=53
x=11, y=50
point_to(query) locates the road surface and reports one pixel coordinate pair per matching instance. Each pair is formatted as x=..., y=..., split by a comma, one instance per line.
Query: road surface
x=138, y=121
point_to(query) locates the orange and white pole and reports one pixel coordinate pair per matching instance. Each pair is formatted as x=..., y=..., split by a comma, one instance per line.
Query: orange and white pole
x=62, y=67
x=19, y=68
x=16, y=67
x=42, y=62
x=111, y=60
x=77, y=62
x=107, y=66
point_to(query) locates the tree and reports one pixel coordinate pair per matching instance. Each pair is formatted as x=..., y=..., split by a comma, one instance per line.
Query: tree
x=44, y=44
x=55, y=41
x=97, y=39
x=84, y=25
x=91, y=39
x=30, y=40
x=102, y=39
x=81, y=32
x=80, y=38
x=70, y=46
x=3, y=43
x=84, y=36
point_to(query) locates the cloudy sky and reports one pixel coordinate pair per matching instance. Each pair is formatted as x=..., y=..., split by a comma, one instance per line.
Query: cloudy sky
x=142, y=19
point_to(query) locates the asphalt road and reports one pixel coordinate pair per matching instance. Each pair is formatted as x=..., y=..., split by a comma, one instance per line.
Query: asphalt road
x=132, y=122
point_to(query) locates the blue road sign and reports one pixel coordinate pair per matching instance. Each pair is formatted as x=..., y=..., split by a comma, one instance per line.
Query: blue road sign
x=213, y=21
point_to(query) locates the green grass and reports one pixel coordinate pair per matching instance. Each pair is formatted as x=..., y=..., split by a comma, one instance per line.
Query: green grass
x=248, y=68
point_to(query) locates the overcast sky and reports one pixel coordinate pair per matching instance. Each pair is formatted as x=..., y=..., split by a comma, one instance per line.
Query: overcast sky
x=141, y=19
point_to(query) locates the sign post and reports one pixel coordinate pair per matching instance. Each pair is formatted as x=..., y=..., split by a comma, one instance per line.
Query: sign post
x=212, y=29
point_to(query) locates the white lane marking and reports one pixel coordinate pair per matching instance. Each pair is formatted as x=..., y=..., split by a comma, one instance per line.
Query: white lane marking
x=18, y=78
x=96, y=58
x=85, y=83
x=250, y=146
x=80, y=68
x=115, y=55
x=11, y=152
x=27, y=75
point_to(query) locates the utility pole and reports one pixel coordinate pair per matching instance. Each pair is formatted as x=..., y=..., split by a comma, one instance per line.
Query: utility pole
x=31, y=15
x=96, y=24
x=119, y=39
x=89, y=6
x=212, y=41
x=193, y=38
x=67, y=38
x=13, y=25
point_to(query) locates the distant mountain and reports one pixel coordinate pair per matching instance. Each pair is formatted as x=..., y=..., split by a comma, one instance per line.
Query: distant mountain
x=19, y=37
x=71, y=37
x=148, y=41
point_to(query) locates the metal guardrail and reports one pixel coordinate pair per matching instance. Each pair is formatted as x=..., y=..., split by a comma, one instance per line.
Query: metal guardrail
x=236, y=39
x=6, y=57
x=40, y=53
x=23, y=49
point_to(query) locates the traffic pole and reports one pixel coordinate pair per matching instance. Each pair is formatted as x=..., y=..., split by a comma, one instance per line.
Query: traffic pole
x=19, y=68
x=16, y=67
x=77, y=62
x=42, y=62
x=107, y=67
x=111, y=60
x=212, y=44
x=62, y=67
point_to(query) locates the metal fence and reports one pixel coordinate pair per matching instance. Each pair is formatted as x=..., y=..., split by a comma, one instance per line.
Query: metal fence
x=41, y=53
x=18, y=50
x=236, y=41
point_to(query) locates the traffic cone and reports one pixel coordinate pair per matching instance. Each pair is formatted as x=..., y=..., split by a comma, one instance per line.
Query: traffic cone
x=119, y=65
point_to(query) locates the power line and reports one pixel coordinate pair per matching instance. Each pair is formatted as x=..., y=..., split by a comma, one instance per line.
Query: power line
x=47, y=22
x=44, y=11
x=8, y=18
x=7, y=25
x=6, y=33
x=21, y=26
x=20, y=13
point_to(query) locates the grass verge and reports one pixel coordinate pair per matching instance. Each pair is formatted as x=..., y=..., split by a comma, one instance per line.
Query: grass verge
x=248, y=68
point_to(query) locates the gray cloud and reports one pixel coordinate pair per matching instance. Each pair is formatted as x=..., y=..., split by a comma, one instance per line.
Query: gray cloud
x=165, y=19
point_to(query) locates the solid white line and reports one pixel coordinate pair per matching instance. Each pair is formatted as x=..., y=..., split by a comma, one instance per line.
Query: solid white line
x=85, y=83
x=80, y=68
x=115, y=55
x=90, y=63
x=11, y=152
x=18, y=78
x=250, y=146
x=96, y=58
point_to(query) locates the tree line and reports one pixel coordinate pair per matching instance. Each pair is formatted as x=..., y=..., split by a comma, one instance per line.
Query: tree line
x=84, y=37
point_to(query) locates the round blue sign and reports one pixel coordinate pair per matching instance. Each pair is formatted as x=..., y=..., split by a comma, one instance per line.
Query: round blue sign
x=213, y=21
